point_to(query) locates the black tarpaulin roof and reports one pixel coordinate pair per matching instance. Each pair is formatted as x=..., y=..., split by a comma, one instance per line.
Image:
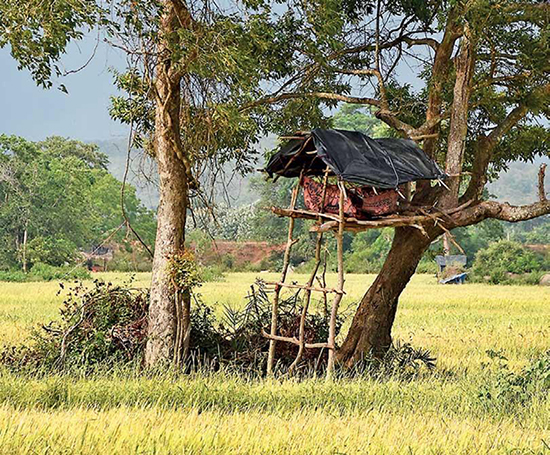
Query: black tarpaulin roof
x=354, y=157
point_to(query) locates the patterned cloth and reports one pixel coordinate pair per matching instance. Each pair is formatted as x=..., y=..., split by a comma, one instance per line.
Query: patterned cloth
x=361, y=202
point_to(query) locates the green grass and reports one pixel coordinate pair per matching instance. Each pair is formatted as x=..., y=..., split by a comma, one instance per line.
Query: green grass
x=125, y=411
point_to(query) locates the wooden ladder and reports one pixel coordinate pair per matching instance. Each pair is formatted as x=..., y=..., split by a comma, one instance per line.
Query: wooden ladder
x=308, y=288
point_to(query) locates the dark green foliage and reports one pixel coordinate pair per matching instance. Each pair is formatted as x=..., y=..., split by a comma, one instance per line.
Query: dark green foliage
x=57, y=197
x=45, y=272
x=503, y=259
x=479, y=236
x=368, y=251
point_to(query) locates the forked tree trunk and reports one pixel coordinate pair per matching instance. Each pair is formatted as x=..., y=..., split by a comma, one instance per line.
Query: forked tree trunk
x=370, y=331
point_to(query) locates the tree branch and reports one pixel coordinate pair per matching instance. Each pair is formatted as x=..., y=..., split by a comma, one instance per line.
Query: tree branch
x=440, y=70
x=542, y=192
x=434, y=44
x=322, y=95
x=485, y=145
x=459, y=116
x=504, y=211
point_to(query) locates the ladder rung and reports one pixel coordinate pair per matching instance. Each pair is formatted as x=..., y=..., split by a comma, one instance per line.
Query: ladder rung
x=295, y=341
x=303, y=286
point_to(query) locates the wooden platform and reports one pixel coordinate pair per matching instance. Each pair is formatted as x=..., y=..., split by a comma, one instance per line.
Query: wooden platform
x=330, y=221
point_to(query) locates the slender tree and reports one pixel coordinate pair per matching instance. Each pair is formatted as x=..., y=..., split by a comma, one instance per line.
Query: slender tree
x=196, y=89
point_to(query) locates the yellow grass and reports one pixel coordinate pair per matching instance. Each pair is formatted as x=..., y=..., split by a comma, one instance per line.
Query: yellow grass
x=439, y=414
x=130, y=430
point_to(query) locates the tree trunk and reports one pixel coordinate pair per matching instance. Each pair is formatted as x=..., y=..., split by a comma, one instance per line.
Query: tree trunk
x=171, y=215
x=164, y=323
x=25, y=250
x=370, y=331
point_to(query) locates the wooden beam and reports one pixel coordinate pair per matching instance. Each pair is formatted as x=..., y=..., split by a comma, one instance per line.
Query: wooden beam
x=353, y=224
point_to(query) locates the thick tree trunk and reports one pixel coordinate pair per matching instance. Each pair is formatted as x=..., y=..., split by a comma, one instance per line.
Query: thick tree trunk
x=370, y=331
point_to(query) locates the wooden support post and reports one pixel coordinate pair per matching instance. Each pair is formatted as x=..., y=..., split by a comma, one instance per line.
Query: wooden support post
x=323, y=283
x=307, y=296
x=338, y=297
x=286, y=263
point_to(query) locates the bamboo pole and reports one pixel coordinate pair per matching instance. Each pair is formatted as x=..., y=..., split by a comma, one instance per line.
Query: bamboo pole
x=338, y=297
x=307, y=297
x=286, y=262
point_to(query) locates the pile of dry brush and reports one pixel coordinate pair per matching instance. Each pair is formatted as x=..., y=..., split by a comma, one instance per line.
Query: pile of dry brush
x=106, y=325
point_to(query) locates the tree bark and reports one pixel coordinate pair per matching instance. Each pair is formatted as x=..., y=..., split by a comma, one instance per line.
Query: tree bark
x=164, y=323
x=370, y=331
x=170, y=239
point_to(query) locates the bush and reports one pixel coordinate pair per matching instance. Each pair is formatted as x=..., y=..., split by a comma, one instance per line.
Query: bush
x=503, y=259
x=104, y=325
x=246, y=347
x=14, y=275
x=48, y=273
x=427, y=265
x=107, y=325
x=212, y=273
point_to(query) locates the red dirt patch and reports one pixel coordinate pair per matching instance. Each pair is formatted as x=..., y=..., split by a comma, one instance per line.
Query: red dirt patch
x=241, y=252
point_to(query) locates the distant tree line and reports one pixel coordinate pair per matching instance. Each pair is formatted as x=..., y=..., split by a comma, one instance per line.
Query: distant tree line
x=56, y=198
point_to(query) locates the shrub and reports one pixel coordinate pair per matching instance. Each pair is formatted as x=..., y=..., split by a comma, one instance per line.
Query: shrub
x=106, y=324
x=246, y=347
x=49, y=273
x=503, y=259
x=427, y=265
x=212, y=273
x=45, y=272
x=13, y=275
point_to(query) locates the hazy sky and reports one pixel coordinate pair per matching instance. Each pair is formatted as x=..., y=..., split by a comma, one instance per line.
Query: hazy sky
x=35, y=113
